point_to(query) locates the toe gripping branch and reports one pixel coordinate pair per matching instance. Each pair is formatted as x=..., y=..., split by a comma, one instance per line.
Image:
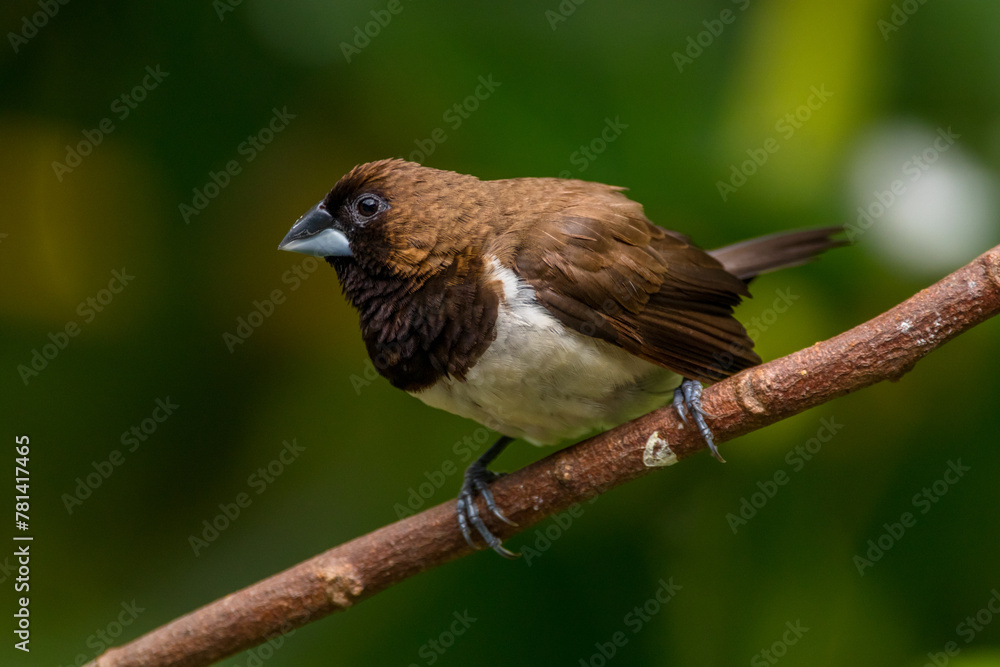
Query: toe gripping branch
x=476, y=483
x=687, y=402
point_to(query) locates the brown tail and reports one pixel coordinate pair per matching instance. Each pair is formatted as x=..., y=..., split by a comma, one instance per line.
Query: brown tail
x=750, y=258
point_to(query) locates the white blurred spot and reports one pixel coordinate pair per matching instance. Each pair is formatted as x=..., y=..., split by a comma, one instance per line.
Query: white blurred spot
x=920, y=200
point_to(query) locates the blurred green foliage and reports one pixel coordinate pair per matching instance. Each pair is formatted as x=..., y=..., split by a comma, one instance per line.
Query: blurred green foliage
x=697, y=88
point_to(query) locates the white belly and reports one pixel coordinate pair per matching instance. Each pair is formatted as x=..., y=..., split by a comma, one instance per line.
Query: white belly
x=546, y=383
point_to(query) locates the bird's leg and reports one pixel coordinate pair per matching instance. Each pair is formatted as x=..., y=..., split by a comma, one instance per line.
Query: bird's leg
x=687, y=399
x=476, y=483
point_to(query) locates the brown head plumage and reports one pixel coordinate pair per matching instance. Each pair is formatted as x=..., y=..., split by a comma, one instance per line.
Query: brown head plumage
x=416, y=273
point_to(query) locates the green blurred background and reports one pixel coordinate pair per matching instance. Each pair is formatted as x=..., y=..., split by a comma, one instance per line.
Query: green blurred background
x=692, y=87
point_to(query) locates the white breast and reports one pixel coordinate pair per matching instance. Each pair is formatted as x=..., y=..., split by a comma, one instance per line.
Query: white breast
x=541, y=381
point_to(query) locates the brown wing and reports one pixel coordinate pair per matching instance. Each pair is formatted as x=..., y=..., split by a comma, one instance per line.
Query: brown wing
x=604, y=270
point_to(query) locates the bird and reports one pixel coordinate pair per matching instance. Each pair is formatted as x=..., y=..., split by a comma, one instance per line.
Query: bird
x=546, y=309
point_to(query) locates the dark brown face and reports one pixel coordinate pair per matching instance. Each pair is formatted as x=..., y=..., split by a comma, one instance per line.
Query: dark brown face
x=403, y=241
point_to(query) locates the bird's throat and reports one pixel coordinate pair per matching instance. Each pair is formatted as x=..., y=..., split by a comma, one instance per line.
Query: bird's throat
x=418, y=330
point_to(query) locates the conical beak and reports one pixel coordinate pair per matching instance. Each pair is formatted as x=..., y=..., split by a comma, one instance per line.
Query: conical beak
x=316, y=233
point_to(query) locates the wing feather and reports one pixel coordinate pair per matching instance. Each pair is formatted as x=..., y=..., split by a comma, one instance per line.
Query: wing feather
x=601, y=268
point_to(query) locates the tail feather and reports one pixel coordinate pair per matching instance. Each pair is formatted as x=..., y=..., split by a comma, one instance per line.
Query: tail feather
x=750, y=258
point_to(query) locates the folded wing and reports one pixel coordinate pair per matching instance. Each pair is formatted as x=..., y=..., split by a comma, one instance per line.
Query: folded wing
x=603, y=269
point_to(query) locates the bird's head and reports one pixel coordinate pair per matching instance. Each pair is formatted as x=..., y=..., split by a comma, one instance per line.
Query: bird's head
x=391, y=217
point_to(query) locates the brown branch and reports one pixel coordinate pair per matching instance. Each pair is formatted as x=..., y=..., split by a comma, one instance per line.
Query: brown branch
x=884, y=348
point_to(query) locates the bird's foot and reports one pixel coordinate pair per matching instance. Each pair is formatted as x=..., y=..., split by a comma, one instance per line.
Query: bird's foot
x=476, y=483
x=687, y=401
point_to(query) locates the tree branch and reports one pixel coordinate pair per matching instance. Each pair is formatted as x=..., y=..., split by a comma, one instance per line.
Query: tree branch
x=884, y=348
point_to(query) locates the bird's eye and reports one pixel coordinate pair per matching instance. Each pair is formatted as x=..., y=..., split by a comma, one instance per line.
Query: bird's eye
x=367, y=206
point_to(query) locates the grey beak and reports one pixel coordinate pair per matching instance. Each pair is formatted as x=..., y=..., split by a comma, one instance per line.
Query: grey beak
x=316, y=233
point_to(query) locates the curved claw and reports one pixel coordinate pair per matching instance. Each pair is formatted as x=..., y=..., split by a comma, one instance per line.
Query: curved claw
x=477, y=483
x=687, y=398
x=679, y=405
x=484, y=490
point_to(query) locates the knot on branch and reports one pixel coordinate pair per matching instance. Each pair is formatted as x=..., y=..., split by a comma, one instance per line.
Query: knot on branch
x=343, y=583
x=746, y=391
